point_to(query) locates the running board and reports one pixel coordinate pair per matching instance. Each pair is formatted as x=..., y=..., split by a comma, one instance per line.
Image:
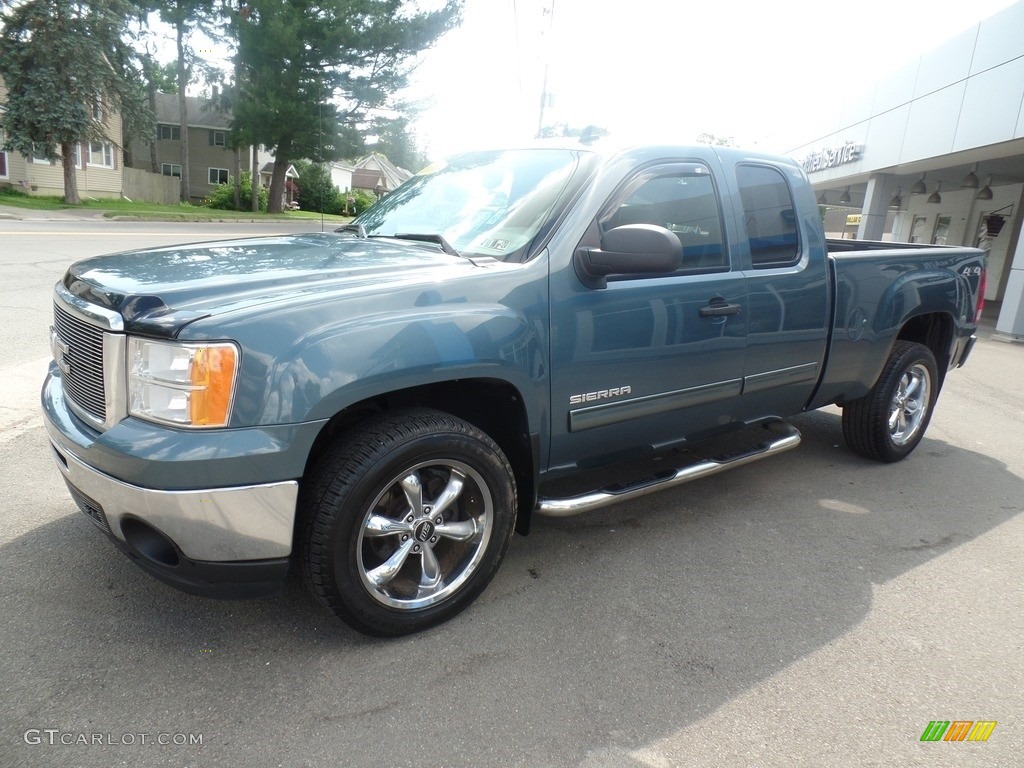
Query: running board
x=783, y=437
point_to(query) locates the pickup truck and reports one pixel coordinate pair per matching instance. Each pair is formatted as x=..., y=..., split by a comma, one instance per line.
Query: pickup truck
x=383, y=406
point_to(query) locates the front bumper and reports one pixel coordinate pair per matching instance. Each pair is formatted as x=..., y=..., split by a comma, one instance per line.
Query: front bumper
x=230, y=539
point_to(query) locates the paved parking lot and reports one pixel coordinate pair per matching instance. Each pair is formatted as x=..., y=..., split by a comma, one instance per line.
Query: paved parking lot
x=816, y=609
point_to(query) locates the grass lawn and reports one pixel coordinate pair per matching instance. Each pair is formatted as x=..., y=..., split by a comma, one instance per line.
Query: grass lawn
x=114, y=208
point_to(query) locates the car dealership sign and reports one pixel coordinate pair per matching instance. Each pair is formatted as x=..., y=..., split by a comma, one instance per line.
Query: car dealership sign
x=829, y=157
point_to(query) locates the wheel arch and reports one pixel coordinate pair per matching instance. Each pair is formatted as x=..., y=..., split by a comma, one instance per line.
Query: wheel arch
x=494, y=406
x=934, y=330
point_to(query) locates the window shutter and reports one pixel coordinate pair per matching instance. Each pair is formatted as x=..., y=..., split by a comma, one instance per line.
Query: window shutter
x=210, y=134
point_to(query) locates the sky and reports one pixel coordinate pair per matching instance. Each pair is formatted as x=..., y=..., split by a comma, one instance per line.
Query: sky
x=668, y=69
x=761, y=72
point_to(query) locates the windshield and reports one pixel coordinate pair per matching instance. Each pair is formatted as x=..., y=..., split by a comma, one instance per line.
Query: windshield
x=483, y=203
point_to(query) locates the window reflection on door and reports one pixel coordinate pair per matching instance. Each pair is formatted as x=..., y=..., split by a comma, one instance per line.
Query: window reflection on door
x=917, y=229
x=941, y=230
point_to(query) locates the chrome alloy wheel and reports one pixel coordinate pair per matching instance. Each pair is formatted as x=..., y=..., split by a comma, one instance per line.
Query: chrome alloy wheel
x=425, y=534
x=909, y=404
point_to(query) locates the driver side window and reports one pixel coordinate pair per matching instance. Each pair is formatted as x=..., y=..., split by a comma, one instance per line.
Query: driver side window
x=685, y=203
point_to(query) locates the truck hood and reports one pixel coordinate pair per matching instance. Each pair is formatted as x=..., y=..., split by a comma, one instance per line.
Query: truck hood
x=159, y=290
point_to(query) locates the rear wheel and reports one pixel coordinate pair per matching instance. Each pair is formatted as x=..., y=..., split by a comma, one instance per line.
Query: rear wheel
x=407, y=518
x=888, y=422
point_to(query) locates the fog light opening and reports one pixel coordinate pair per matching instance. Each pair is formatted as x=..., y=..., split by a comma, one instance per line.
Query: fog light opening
x=149, y=542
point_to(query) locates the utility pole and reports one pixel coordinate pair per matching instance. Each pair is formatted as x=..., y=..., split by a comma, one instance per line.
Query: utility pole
x=545, y=52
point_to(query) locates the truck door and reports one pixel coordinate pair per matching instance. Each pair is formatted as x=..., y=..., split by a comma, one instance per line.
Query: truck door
x=647, y=361
x=787, y=287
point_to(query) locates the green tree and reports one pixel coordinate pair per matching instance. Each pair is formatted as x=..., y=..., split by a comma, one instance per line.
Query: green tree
x=68, y=68
x=298, y=58
x=397, y=142
x=316, y=189
x=156, y=78
x=185, y=16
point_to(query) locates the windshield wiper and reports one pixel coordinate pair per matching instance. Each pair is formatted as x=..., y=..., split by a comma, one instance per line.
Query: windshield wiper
x=427, y=238
x=359, y=229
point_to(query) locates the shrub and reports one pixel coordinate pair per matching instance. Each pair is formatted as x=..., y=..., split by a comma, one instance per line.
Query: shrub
x=222, y=196
x=315, y=189
x=363, y=200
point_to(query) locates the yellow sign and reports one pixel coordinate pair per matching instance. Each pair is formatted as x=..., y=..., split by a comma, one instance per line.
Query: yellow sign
x=852, y=219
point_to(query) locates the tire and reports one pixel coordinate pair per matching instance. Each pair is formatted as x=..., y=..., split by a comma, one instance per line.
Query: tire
x=406, y=519
x=890, y=420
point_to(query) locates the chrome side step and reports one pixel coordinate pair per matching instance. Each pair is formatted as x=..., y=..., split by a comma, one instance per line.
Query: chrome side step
x=782, y=438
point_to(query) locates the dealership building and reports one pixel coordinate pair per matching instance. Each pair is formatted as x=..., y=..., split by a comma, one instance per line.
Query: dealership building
x=934, y=153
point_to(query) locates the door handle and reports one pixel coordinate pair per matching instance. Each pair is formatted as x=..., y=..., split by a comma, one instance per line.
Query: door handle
x=715, y=309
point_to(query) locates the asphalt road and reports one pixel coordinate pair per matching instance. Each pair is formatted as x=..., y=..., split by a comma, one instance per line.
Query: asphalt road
x=813, y=610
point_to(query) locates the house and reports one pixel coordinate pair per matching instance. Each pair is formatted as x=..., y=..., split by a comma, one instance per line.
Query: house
x=211, y=158
x=98, y=165
x=378, y=175
x=341, y=175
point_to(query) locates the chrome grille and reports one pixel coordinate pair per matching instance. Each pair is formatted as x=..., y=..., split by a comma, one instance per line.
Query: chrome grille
x=82, y=363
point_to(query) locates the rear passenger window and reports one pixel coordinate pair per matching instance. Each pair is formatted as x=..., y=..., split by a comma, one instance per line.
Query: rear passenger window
x=770, y=216
x=683, y=201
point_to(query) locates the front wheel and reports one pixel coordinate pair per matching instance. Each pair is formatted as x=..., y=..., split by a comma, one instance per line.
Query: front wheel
x=890, y=420
x=406, y=518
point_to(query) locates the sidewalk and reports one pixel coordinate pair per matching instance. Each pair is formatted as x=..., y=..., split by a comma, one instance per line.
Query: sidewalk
x=11, y=212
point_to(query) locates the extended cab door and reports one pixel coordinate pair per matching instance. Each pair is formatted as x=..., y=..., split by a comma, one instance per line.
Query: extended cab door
x=647, y=360
x=787, y=288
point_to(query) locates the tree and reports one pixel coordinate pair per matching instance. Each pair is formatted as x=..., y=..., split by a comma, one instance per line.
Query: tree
x=185, y=16
x=396, y=141
x=67, y=67
x=316, y=188
x=298, y=58
x=156, y=78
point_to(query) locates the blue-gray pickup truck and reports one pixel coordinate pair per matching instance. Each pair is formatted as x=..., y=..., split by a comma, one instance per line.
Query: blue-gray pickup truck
x=381, y=407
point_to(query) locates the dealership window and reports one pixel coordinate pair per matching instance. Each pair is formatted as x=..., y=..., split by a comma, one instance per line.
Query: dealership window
x=170, y=169
x=917, y=229
x=169, y=132
x=101, y=154
x=218, y=175
x=770, y=216
x=218, y=138
x=941, y=234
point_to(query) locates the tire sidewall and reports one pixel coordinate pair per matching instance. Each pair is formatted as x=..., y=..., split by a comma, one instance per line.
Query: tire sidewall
x=905, y=359
x=391, y=461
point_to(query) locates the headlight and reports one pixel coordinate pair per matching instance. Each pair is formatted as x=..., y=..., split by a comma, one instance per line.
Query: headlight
x=190, y=385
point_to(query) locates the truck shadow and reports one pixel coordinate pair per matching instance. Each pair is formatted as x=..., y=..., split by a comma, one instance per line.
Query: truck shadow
x=608, y=630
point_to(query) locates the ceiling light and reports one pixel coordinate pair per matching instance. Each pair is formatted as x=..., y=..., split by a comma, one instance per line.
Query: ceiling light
x=985, y=193
x=919, y=188
x=971, y=179
x=897, y=200
x=822, y=200
x=935, y=197
x=845, y=197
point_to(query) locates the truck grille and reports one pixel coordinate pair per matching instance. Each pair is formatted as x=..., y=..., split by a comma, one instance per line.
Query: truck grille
x=82, y=363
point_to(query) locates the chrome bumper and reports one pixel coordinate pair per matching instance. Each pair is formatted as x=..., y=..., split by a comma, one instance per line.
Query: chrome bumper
x=253, y=522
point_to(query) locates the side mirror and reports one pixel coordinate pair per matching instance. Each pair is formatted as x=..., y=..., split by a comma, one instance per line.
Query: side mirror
x=632, y=249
